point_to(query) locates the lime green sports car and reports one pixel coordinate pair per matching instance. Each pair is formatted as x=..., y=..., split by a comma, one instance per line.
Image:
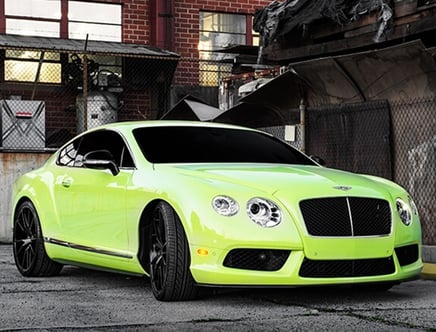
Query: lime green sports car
x=193, y=204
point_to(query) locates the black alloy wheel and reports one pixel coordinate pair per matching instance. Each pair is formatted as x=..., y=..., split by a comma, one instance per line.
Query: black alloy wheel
x=28, y=244
x=170, y=276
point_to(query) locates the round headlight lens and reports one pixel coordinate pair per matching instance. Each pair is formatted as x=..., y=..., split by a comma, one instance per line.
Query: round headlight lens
x=264, y=212
x=404, y=211
x=413, y=206
x=225, y=205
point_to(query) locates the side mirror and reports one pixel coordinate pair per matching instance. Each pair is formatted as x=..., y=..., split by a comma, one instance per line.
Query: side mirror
x=318, y=160
x=101, y=159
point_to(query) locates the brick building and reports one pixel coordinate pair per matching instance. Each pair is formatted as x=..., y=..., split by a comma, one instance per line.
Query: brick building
x=43, y=43
x=68, y=65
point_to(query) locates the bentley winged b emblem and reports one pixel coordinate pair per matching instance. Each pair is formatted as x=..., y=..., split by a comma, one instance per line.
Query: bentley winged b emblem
x=343, y=188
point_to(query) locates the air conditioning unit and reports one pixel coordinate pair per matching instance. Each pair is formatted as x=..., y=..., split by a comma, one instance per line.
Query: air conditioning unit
x=22, y=124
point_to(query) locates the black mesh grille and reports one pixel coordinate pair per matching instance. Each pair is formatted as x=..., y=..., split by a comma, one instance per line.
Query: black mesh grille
x=408, y=254
x=346, y=268
x=331, y=216
x=256, y=259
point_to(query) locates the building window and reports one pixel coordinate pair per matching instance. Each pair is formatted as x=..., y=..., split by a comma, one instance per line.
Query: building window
x=218, y=31
x=32, y=66
x=100, y=21
x=33, y=17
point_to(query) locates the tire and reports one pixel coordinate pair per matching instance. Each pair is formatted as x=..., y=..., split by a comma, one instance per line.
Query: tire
x=28, y=244
x=170, y=276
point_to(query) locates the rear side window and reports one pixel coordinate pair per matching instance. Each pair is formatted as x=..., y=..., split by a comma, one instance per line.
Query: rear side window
x=72, y=154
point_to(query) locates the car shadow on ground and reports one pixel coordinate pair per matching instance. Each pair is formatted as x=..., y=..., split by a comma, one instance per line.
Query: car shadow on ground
x=343, y=294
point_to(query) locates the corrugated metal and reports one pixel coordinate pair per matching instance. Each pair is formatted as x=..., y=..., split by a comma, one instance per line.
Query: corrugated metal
x=13, y=165
x=81, y=46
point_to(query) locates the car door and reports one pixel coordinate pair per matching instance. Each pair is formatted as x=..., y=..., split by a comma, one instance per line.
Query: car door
x=91, y=203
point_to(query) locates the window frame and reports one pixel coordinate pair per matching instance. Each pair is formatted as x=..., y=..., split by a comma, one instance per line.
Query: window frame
x=221, y=69
x=77, y=143
x=61, y=20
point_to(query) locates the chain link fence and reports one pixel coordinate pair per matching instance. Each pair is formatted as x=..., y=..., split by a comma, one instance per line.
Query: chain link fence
x=47, y=98
x=414, y=157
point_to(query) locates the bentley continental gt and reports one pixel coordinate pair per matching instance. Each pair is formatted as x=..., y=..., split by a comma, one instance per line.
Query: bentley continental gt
x=192, y=204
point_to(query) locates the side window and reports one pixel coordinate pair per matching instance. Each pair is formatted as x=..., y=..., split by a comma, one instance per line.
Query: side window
x=72, y=154
x=68, y=154
x=105, y=140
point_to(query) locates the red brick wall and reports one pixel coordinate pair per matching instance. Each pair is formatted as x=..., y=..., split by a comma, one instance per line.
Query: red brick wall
x=136, y=21
x=186, y=30
x=186, y=19
x=137, y=28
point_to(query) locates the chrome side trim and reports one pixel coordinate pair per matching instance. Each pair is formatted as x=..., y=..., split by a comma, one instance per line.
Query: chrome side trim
x=86, y=248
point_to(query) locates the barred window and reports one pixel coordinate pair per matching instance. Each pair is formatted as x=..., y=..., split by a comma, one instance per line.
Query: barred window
x=218, y=31
x=32, y=66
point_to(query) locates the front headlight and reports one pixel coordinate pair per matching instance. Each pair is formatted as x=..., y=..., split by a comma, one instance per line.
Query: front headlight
x=264, y=212
x=413, y=206
x=225, y=205
x=404, y=211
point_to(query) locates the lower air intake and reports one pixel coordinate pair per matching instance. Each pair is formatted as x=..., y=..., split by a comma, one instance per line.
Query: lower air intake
x=346, y=268
x=256, y=259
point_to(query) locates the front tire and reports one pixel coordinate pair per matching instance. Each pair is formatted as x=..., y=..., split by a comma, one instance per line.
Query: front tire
x=170, y=276
x=28, y=244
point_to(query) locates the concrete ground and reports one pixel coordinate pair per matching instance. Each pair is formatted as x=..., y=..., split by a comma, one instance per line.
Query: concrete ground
x=85, y=300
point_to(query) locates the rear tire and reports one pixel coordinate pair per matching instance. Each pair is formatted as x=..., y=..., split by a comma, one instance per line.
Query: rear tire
x=170, y=276
x=28, y=244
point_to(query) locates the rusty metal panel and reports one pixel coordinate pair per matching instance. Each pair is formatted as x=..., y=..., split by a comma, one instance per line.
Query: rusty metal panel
x=394, y=73
x=80, y=46
x=12, y=165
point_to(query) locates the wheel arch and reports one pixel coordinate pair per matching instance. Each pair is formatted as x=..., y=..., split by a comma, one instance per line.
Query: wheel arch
x=143, y=229
x=20, y=201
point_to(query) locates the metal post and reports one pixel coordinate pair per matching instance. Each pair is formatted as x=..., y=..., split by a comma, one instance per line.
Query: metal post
x=85, y=86
x=38, y=73
x=85, y=92
x=303, y=124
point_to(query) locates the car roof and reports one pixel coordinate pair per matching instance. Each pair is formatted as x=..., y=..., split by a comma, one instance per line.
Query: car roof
x=130, y=125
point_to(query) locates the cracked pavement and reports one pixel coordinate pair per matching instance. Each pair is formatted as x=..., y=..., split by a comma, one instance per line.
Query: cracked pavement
x=84, y=300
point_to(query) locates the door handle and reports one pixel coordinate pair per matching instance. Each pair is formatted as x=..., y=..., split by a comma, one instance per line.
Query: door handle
x=66, y=183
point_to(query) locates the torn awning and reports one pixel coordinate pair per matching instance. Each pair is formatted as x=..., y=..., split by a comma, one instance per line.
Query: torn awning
x=192, y=108
x=50, y=44
x=403, y=71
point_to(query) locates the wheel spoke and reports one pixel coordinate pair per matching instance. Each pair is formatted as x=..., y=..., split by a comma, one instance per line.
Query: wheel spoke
x=158, y=251
x=25, y=238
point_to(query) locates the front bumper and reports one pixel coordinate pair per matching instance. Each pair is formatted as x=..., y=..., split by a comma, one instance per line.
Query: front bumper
x=299, y=270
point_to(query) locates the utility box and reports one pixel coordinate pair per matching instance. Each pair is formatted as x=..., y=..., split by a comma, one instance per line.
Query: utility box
x=101, y=108
x=22, y=124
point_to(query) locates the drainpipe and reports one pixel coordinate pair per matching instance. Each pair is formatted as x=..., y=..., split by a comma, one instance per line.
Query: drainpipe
x=162, y=18
x=303, y=124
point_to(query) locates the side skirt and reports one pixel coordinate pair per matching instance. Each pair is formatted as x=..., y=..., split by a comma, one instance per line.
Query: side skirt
x=86, y=248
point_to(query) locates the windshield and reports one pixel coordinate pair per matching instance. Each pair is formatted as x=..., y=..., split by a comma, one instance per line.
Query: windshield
x=186, y=144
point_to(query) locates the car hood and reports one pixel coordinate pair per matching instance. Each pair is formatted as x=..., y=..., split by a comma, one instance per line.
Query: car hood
x=277, y=180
